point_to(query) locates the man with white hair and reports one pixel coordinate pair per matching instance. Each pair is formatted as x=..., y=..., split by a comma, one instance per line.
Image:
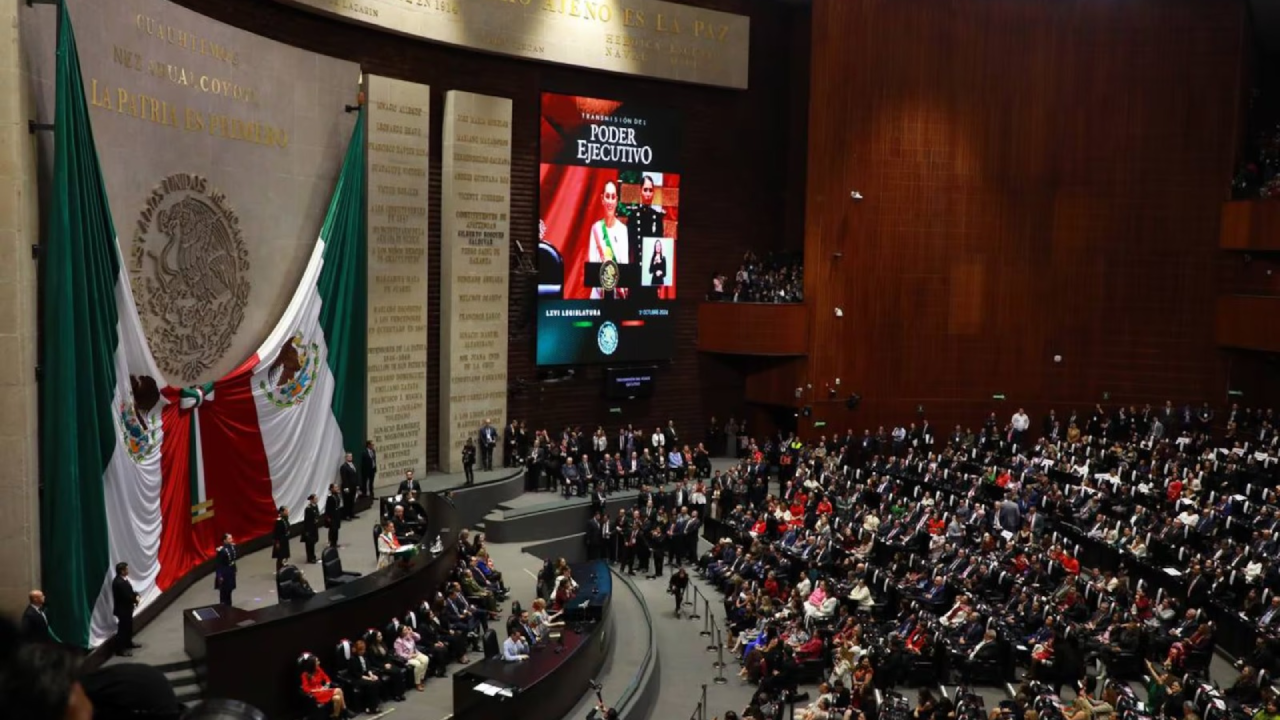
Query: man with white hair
x=35, y=625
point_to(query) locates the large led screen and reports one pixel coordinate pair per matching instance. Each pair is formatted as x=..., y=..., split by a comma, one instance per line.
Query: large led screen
x=609, y=212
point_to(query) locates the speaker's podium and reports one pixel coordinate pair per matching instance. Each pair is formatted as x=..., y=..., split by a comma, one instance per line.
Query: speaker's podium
x=609, y=276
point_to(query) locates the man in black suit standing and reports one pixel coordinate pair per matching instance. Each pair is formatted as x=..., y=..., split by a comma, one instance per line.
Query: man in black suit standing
x=510, y=445
x=311, y=527
x=350, y=484
x=488, y=440
x=593, y=536
x=333, y=514
x=225, y=572
x=123, y=602
x=35, y=626
x=408, y=484
x=469, y=461
x=369, y=467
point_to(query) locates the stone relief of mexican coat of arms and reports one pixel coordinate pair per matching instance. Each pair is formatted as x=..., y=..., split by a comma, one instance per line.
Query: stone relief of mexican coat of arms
x=190, y=272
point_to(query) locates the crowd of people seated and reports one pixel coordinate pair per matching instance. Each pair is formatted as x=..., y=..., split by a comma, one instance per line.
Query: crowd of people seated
x=777, y=278
x=577, y=463
x=1114, y=544
x=382, y=662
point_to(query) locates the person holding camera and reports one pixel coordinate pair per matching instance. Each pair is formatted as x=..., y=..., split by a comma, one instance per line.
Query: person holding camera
x=678, y=585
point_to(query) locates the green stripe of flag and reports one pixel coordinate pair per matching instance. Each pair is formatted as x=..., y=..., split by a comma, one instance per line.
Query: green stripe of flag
x=342, y=285
x=78, y=343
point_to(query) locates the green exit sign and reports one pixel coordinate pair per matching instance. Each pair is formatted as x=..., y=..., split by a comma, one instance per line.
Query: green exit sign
x=1106, y=395
x=1235, y=393
x=998, y=396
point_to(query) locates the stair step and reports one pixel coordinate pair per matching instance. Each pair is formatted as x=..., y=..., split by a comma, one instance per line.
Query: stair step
x=184, y=680
x=188, y=695
x=175, y=666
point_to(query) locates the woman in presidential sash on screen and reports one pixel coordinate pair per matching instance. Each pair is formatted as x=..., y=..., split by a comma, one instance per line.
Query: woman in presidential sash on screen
x=609, y=244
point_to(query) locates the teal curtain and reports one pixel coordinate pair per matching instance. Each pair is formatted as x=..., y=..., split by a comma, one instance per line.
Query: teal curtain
x=78, y=338
x=343, y=286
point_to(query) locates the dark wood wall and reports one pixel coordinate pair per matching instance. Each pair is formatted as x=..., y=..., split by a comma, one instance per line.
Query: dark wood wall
x=738, y=182
x=1041, y=178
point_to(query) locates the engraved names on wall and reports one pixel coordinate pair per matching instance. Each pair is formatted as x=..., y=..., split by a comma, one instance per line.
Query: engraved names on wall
x=475, y=203
x=398, y=142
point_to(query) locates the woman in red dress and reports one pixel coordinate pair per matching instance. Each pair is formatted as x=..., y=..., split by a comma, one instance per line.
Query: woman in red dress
x=315, y=682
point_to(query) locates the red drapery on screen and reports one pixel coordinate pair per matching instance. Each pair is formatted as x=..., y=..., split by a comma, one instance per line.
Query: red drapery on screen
x=570, y=200
x=237, y=479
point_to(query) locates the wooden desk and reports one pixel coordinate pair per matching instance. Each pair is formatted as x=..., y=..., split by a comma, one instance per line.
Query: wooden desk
x=554, y=678
x=251, y=655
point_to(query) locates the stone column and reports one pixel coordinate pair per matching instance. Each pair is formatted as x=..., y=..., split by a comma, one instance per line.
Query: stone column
x=19, y=230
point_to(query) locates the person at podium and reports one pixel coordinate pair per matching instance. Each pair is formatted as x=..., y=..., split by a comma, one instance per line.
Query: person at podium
x=609, y=246
x=388, y=544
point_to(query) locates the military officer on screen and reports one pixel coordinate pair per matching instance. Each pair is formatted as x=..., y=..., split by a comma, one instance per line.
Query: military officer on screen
x=646, y=222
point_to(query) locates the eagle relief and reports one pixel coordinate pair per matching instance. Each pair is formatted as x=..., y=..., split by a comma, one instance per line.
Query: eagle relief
x=190, y=271
x=292, y=375
x=139, y=425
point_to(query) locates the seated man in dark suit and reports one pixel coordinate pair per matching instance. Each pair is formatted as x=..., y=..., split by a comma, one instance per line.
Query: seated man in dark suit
x=985, y=652
x=406, y=532
x=364, y=678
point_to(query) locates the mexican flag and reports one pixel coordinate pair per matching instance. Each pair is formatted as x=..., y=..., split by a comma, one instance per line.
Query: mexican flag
x=271, y=432
x=135, y=470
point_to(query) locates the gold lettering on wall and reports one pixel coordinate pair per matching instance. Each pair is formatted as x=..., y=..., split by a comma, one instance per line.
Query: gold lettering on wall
x=397, y=140
x=662, y=39
x=141, y=106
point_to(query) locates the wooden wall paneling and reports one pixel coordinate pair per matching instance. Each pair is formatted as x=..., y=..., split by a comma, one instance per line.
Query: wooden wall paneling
x=774, y=381
x=1037, y=181
x=753, y=328
x=1250, y=322
x=735, y=169
x=1256, y=375
x=1242, y=273
x=1250, y=225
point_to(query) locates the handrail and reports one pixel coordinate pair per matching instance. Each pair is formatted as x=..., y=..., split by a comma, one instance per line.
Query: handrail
x=651, y=650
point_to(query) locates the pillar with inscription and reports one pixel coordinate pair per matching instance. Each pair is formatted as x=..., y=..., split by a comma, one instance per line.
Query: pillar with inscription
x=19, y=231
x=474, y=274
x=398, y=141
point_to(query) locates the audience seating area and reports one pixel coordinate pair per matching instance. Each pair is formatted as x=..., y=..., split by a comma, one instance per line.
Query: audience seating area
x=776, y=278
x=1122, y=545
x=440, y=631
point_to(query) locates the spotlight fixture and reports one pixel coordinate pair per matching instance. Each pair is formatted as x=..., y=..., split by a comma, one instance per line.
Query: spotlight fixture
x=855, y=195
x=839, y=312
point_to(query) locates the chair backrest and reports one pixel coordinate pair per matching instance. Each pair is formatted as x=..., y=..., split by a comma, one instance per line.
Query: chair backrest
x=332, y=562
x=343, y=651
x=287, y=573
x=491, y=645
x=289, y=590
x=332, y=568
